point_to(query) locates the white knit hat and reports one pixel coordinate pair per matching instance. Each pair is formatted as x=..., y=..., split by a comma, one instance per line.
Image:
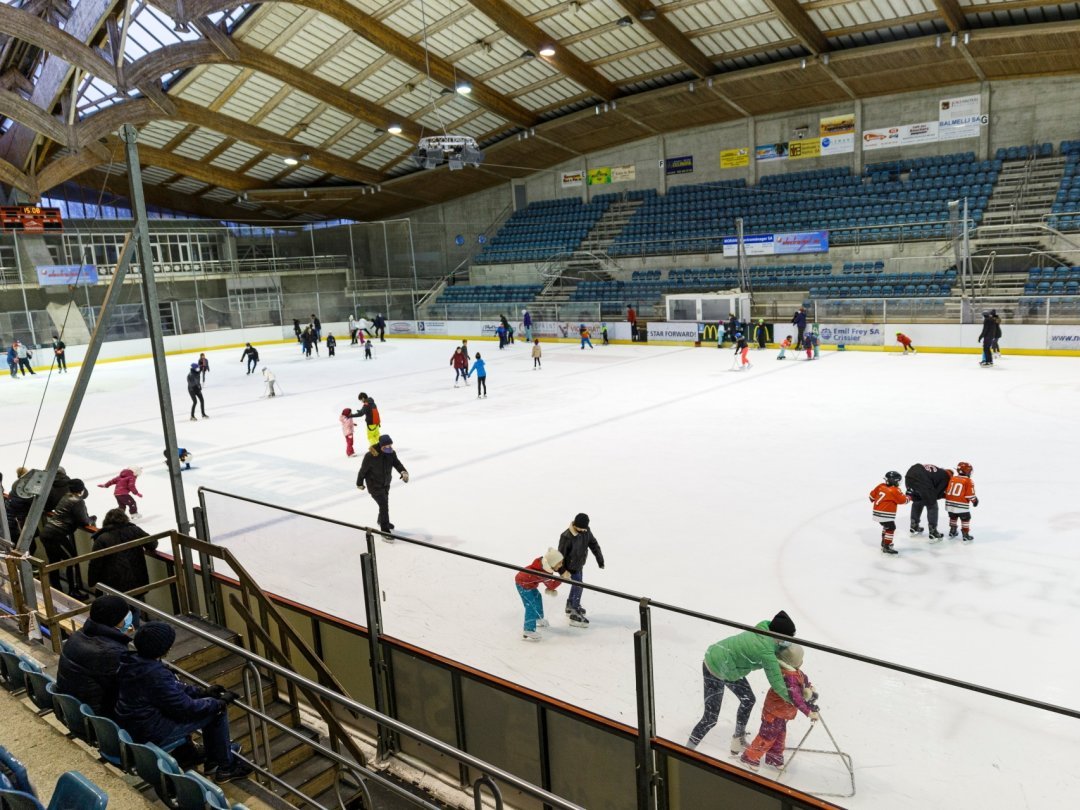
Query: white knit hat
x=136, y=470
x=551, y=559
x=792, y=655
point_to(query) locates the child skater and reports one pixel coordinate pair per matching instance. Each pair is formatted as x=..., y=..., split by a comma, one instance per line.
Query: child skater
x=481, y=376
x=536, y=353
x=125, y=488
x=772, y=737
x=816, y=343
x=204, y=367
x=742, y=351
x=549, y=570
x=959, y=497
x=886, y=497
x=270, y=379
x=585, y=335
x=184, y=456
x=348, y=427
x=367, y=348
x=905, y=341
x=331, y=344
x=808, y=344
x=785, y=344
x=459, y=361
x=603, y=333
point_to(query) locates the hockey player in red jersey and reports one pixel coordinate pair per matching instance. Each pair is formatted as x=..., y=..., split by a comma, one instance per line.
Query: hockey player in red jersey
x=959, y=498
x=886, y=497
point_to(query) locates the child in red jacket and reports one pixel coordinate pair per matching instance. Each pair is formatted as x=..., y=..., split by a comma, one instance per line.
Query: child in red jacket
x=459, y=361
x=959, y=498
x=125, y=488
x=905, y=341
x=772, y=737
x=549, y=570
x=886, y=497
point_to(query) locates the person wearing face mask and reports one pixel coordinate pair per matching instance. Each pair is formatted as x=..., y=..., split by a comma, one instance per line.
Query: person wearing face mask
x=376, y=473
x=90, y=659
x=123, y=570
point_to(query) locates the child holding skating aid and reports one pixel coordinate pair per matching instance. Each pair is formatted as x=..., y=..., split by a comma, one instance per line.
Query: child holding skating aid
x=348, y=427
x=125, y=487
x=548, y=570
x=785, y=344
x=886, y=497
x=776, y=713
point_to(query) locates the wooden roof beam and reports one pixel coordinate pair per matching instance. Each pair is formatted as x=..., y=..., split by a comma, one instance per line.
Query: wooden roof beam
x=792, y=14
x=952, y=15
x=168, y=198
x=672, y=38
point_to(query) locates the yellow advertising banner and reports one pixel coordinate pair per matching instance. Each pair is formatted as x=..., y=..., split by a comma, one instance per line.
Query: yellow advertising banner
x=837, y=125
x=599, y=177
x=734, y=158
x=806, y=148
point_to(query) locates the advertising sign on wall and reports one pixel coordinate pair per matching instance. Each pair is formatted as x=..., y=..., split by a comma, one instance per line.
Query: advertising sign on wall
x=432, y=328
x=66, y=274
x=806, y=148
x=902, y=135
x=838, y=144
x=851, y=334
x=600, y=176
x=679, y=165
x=1063, y=337
x=959, y=117
x=771, y=151
x=734, y=158
x=623, y=174
x=401, y=327
x=837, y=125
x=773, y=244
x=572, y=179
x=669, y=330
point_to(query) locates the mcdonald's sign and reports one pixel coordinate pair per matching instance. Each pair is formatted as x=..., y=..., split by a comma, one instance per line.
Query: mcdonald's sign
x=708, y=332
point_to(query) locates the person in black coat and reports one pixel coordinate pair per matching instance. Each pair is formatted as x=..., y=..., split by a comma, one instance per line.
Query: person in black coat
x=194, y=389
x=90, y=659
x=17, y=508
x=251, y=354
x=58, y=534
x=926, y=485
x=331, y=344
x=153, y=706
x=59, y=489
x=376, y=473
x=799, y=321
x=575, y=544
x=991, y=332
x=307, y=340
x=380, y=327
x=124, y=570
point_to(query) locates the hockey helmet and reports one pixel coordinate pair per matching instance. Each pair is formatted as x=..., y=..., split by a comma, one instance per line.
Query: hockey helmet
x=892, y=478
x=964, y=468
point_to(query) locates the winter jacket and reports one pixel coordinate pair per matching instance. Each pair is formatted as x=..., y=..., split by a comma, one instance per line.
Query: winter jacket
x=251, y=352
x=331, y=342
x=193, y=384
x=991, y=329
x=23, y=353
x=478, y=367
x=760, y=332
x=736, y=657
x=88, y=664
x=307, y=338
x=124, y=570
x=348, y=427
x=536, y=350
x=370, y=412
x=775, y=704
x=575, y=548
x=379, y=322
x=526, y=320
x=927, y=481
x=531, y=581
x=153, y=704
x=58, y=348
x=12, y=356
x=125, y=483
x=204, y=364
x=459, y=360
x=808, y=340
x=799, y=318
x=58, y=491
x=376, y=470
x=70, y=514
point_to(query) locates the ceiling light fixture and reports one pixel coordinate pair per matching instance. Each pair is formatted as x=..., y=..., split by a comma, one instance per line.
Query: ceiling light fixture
x=290, y=161
x=967, y=37
x=937, y=42
x=953, y=40
x=622, y=22
x=647, y=15
x=527, y=55
x=394, y=129
x=802, y=63
x=824, y=59
x=463, y=88
x=547, y=50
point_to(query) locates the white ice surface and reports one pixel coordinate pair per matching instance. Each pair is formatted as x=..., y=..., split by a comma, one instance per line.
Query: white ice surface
x=736, y=494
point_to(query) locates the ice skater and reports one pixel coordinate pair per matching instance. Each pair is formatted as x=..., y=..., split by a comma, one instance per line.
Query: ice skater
x=271, y=383
x=536, y=352
x=549, y=569
x=373, y=421
x=251, y=354
x=574, y=545
x=761, y=334
x=583, y=331
x=991, y=331
x=726, y=665
x=808, y=345
x=307, y=340
x=331, y=344
x=526, y=324
x=59, y=349
x=771, y=739
x=124, y=484
x=348, y=427
x=604, y=334
x=23, y=355
x=368, y=350
x=959, y=498
x=885, y=498
x=204, y=367
x=194, y=389
x=183, y=455
x=459, y=361
x=926, y=485
x=481, y=376
x=785, y=344
x=376, y=473
x=352, y=330
x=742, y=352
x=13, y=360
x=905, y=341
x=816, y=343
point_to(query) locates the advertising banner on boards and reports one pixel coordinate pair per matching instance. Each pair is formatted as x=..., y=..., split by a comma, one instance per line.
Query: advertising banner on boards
x=837, y=144
x=600, y=176
x=672, y=330
x=66, y=274
x=1063, y=337
x=775, y=244
x=849, y=334
x=837, y=125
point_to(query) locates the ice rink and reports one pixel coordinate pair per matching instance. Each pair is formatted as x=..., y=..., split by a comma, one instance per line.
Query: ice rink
x=733, y=493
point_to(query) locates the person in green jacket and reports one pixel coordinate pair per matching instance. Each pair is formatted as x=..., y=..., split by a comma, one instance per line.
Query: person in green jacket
x=728, y=662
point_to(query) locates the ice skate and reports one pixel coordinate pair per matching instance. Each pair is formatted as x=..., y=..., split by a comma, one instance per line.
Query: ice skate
x=578, y=620
x=571, y=609
x=193, y=419
x=738, y=744
x=531, y=635
x=749, y=763
x=775, y=762
x=935, y=536
x=887, y=548
x=952, y=531
x=542, y=623
x=915, y=529
x=968, y=538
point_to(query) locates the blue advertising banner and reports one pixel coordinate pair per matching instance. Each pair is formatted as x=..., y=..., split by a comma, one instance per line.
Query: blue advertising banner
x=679, y=165
x=67, y=274
x=775, y=244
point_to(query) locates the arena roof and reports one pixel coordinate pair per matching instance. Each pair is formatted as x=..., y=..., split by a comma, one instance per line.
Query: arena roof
x=224, y=92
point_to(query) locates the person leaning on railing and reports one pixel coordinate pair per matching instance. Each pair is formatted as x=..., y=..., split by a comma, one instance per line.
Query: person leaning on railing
x=122, y=570
x=58, y=534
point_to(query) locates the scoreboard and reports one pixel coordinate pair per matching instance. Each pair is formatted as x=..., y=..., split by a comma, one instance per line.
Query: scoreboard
x=30, y=219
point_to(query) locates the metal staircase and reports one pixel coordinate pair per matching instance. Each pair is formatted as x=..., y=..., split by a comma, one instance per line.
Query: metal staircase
x=610, y=225
x=1025, y=191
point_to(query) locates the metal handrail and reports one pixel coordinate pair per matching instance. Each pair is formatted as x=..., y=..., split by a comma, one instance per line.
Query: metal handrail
x=348, y=703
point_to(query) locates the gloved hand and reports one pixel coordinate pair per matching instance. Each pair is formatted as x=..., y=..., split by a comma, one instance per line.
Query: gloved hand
x=550, y=591
x=974, y=501
x=601, y=565
x=360, y=487
x=814, y=717
x=139, y=494
x=405, y=476
x=809, y=695
x=915, y=496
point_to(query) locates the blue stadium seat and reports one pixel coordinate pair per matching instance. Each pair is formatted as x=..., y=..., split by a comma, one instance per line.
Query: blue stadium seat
x=68, y=709
x=37, y=683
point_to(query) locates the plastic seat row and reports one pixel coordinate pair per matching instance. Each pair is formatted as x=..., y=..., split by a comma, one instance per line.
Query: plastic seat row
x=882, y=291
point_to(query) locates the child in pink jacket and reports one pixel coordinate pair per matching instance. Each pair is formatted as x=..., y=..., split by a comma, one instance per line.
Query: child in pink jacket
x=772, y=738
x=347, y=427
x=125, y=488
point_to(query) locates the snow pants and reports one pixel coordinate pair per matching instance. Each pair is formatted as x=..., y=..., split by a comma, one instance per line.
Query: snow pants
x=770, y=741
x=714, y=697
x=373, y=433
x=127, y=502
x=349, y=445
x=534, y=606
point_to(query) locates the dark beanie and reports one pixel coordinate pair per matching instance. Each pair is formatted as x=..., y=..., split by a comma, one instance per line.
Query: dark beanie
x=782, y=623
x=109, y=610
x=154, y=639
x=77, y=486
x=582, y=521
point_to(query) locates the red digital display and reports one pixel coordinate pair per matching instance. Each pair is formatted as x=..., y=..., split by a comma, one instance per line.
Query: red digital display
x=30, y=219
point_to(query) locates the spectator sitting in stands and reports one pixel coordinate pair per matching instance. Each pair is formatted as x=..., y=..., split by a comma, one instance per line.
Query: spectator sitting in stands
x=155, y=707
x=90, y=658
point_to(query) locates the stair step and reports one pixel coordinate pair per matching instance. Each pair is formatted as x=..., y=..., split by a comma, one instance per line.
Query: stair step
x=227, y=672
x=277, y=709
x=311, y=777
x=287, y=752
x=191, y=652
